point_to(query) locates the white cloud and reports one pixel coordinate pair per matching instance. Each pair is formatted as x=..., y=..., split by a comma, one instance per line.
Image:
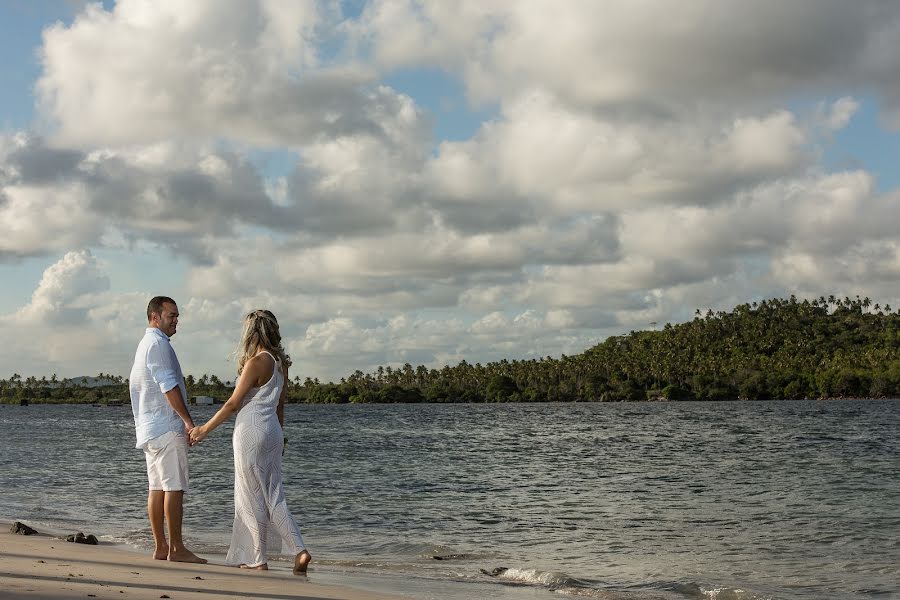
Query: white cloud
x=644, y=56
x=838, y=114
x=151, y=71
x=39, y=219
x=640, y=162
x=773, y=142
x=57, y=330
x=64, y=284
x=540, y=158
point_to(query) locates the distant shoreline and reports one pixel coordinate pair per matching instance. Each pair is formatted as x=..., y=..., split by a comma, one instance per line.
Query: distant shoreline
x=779, y=349
x=127, y=404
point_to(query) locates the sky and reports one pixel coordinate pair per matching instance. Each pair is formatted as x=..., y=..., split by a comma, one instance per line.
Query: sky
x=430, y=182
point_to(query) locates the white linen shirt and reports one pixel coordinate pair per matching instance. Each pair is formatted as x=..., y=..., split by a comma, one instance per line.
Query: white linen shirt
x=155, y=372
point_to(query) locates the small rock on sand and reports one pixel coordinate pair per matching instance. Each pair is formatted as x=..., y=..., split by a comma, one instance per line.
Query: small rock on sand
x=22, y=529
x=80, y=538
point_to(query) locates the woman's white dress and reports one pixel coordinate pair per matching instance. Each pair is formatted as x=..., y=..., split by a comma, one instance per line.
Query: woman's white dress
x=261, y=514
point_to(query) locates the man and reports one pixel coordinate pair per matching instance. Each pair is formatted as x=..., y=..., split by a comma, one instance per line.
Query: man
x=162, y=424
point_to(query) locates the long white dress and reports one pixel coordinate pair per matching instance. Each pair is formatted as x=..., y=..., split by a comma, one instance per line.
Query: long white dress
x=261, y=514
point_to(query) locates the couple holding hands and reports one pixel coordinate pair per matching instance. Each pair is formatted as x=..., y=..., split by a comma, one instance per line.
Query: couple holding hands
x=165, y=429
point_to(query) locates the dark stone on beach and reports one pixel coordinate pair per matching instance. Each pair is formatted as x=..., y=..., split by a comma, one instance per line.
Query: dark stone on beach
x=22, y=529
x=80, y=538
x=495, y=572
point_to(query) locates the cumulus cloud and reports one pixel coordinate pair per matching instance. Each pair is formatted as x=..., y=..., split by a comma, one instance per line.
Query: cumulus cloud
x=643, y=55
x=42, y=205
x=837, y=115
x=638, y=163
x=251, y=71
x=541, y=157
x=435, y=342
x=58, y=199
x=64, y=284
x=56, y=330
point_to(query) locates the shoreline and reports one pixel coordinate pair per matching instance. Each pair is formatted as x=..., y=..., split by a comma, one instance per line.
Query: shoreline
x=44, y=567
x=654, y=400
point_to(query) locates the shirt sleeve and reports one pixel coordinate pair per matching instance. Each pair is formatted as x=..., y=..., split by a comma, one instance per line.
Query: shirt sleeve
x=162, y=368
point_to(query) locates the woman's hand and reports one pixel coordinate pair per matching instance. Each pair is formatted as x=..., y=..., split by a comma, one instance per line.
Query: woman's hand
x=198, y=433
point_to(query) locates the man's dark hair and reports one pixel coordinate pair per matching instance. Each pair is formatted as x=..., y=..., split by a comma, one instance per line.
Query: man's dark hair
x=156, y=305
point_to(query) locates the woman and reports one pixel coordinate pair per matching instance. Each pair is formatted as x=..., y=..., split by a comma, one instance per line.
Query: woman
x=261, y=514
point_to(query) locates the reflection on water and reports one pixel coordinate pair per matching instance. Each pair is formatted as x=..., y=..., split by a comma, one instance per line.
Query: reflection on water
x=780, y=500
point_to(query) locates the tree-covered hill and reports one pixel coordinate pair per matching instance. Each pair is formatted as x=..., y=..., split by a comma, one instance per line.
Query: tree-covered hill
x=775, y=349
x=824, y=348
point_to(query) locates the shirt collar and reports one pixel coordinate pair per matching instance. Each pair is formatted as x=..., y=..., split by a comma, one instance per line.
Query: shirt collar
x=157, y=331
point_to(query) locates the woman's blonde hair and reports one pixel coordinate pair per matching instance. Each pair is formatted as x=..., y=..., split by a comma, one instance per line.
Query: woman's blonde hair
x=260, y=333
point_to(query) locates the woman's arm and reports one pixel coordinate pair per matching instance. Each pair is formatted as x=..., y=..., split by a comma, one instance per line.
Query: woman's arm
x=249, y=378
x=283, y=397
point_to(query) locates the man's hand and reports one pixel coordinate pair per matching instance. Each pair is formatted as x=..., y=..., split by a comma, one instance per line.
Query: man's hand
x=188, y=429
x=197, y=435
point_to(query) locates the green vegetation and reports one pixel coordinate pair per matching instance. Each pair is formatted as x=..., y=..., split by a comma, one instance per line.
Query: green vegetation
x=775, y=349
x=102, y=388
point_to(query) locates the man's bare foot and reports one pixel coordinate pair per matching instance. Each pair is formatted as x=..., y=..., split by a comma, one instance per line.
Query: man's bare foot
x=301, y=561
x=186, y=556
x=161, y=553
x=262, y=567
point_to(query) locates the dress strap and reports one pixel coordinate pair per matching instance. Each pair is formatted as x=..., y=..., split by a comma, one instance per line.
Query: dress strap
x=269, y=353
x=276, y=368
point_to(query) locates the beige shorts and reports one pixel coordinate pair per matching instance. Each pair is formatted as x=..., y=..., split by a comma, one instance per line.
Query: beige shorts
x=167, y=465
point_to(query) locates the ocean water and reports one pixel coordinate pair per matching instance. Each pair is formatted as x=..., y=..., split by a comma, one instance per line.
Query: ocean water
x=726, y=501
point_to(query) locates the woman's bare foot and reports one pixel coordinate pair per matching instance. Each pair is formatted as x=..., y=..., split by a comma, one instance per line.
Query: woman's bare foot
x=301, y=561
x=161, y=553
x=262, y=567
x=185, y=555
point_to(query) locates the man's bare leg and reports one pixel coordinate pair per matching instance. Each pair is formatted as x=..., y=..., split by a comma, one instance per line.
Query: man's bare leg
x=156, y=513
x=174, y=512
x=301, y=561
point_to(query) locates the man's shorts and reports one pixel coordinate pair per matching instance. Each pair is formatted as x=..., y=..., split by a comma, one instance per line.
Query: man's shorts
x=167, y=465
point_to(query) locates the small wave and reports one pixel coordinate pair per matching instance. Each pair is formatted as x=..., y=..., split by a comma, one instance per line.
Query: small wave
x=141, y=540
x=453, y=556
x=694, y=590
x=566, y=585
x=551, y=579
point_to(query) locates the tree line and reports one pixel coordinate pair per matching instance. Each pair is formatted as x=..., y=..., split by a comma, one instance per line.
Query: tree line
x=102, y=388
x=775, y=349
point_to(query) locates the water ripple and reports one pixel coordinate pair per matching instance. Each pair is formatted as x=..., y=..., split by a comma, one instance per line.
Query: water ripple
x=795, y=500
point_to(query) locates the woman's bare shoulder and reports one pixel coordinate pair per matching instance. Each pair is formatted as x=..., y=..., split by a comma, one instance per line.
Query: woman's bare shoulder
x=260, y=364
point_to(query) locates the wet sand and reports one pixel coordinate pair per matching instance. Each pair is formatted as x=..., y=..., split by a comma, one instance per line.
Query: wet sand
x=47, y=568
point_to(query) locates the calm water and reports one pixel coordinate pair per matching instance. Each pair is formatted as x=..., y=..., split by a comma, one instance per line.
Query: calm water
x=781, y=500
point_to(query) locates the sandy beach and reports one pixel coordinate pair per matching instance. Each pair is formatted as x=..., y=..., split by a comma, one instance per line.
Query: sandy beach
x=44, y=567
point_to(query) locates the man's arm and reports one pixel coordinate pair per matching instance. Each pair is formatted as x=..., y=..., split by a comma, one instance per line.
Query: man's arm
x=176, y=401
x=162, y=365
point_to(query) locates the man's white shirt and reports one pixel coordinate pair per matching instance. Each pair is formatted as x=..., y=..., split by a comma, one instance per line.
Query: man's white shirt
x=155, y=371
